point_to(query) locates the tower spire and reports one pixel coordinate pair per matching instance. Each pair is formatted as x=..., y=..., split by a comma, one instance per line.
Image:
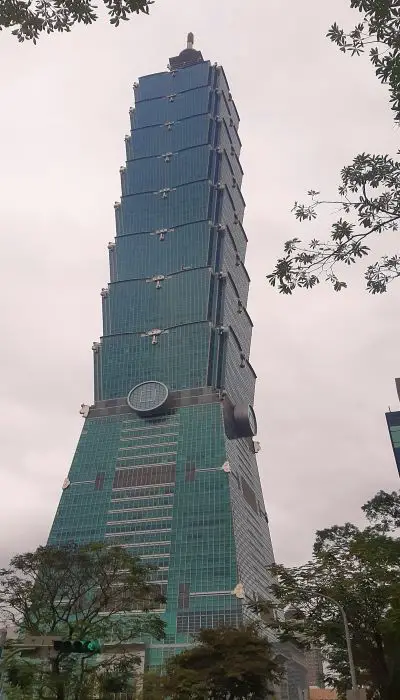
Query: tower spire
x=188, y=57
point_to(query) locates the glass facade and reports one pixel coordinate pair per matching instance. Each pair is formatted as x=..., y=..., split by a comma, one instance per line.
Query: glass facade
x=179, y=485
x=393, y=422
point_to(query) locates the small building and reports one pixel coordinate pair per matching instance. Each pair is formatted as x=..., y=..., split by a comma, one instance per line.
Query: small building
x=322, y=693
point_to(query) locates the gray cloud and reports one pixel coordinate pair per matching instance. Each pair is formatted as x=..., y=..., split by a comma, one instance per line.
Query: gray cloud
x=325, y=362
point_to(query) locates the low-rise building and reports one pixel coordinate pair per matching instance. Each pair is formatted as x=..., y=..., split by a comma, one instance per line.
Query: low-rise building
x=322, y=693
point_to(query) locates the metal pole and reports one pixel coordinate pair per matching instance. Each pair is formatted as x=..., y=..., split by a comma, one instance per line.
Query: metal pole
x=354, y=685
x=349, y=650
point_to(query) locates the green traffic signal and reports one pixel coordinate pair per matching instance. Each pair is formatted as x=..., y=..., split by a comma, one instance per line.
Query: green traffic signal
x=84, y=646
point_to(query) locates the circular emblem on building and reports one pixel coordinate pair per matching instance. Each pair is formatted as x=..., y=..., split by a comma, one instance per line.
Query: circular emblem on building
x=245, y=422
x=148, y=398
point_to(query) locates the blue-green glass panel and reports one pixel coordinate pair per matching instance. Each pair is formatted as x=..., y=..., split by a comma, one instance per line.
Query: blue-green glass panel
x=173, y=170
x=227, y=141
x=239, y=378
x=225, y=114
x=232, y=263
x=234, y=315
x=138, y=305
x=142, y=255
x=229, y=174
x=170, y=83
x=179, y=359
x=155, y=140
x=166, y=113
x=149, y=212
x=237, y=200
x=222, y=84
x=229, y=216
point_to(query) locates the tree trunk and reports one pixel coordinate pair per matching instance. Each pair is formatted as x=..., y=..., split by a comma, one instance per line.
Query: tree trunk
x=59, y=683
x=381, y=673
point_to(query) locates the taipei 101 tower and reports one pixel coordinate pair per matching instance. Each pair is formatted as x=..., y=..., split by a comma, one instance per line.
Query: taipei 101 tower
x=166, y=461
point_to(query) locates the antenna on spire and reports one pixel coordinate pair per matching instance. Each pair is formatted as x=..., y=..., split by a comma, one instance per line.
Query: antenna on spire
x=188, y=57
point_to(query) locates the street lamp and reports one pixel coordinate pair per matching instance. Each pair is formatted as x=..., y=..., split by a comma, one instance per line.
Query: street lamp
x=354, y=686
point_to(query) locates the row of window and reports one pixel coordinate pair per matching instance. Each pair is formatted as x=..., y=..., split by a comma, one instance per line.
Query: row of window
x=195, y=621
x=122, y=496
x=162, y=474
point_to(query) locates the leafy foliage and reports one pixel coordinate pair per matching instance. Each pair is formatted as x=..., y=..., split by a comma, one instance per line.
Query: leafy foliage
x=369, y=192
x=384, y=510
x=380, y=30
x=360, y=569
x=225, y=663
x=152, y=686
x=32, y=17
x=77, y=593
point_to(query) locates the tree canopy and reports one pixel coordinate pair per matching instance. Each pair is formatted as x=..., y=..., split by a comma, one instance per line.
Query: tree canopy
x=226, y=662
x=368, y=199
x=77, y=593
x=29, y=18
x=360, y=569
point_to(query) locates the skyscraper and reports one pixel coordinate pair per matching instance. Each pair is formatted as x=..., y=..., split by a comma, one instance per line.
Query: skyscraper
x=166, y=464
x=393, y=423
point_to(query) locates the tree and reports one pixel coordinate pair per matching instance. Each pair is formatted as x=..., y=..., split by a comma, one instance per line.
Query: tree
x=369, y=192
x=152, y=686
x=30, y=18
x=225, y=663
x=360, y=569
x=77, y=593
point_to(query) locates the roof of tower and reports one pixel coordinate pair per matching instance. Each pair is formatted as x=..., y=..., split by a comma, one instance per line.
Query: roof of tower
x=187, y=57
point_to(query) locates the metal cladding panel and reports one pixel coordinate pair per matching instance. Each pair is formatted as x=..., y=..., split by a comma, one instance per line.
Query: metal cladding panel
x=156, y=140
x=147, y=254
x=137, y=305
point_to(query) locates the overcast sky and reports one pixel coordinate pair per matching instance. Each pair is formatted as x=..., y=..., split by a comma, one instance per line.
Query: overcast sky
x=325, y=362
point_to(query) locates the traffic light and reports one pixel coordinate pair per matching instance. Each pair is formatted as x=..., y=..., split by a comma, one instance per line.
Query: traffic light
x=84, y=646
